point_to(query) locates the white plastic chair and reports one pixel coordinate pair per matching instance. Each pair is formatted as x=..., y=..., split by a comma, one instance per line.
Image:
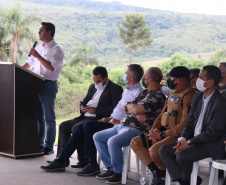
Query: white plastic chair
x=195, y=169
x=126, y=164
x=218, y=164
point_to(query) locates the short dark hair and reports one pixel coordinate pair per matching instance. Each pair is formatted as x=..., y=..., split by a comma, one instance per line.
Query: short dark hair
x=137, y=70
x=213, y=73
x=155, y=75
x=195, y=71
x=100, y=70
x=49, y=27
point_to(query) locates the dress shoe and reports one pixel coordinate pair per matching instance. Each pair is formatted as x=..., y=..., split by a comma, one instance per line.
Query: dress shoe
x=79, y=165
x=67, y=162
x=55, y=166
x=47, y=151
x=107, y=175
x=199, y=180
x=89, y=170
x=115, y=179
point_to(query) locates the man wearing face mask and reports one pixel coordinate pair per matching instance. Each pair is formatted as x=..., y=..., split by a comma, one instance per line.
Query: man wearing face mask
x=83, y=133
x=194, y=76
x=204, y=133
x=222, y=84
x=102, y=97
x=165, y=89
x=168, y=125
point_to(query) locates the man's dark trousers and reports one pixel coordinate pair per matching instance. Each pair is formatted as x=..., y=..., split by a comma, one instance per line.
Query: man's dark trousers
x=65, y=130
x=180, y=165
x=83, y=137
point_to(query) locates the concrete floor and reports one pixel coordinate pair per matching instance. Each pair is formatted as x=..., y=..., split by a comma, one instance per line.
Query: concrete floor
x=28, y=172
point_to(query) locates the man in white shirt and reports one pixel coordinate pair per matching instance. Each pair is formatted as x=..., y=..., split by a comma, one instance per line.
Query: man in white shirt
x=47, y=61
x=102, y=97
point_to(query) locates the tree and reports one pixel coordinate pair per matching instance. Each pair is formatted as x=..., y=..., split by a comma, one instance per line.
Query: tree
x=179, y=59
x=82, y=54
x=217, y=57
x=17, y=26
x=134, y=33
x=3, y=35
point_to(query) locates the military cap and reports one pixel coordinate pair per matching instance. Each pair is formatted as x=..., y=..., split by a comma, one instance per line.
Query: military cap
x=179, y=72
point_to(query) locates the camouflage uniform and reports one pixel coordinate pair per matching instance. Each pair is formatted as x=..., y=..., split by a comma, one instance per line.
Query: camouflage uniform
x=152, y=102
x=109, y=142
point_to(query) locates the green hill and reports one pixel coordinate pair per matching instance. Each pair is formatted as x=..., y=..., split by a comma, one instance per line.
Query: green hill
x=96, y=23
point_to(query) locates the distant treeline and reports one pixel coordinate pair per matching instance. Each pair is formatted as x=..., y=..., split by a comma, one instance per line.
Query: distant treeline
x=92, y=5
x=172, y=32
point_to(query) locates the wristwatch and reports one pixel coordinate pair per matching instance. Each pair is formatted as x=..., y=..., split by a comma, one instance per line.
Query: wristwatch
x=189, y=143
x=162, y=135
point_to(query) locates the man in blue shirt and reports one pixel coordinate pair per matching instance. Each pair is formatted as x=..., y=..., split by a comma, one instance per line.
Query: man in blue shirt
x=83, y=133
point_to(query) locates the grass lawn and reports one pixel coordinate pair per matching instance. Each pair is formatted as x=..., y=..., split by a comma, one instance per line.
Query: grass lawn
x=61, y=119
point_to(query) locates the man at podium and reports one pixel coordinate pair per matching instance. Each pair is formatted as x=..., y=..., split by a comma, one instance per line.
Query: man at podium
x=47, y=61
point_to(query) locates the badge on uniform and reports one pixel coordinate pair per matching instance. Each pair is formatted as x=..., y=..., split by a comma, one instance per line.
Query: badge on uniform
x=174, y=99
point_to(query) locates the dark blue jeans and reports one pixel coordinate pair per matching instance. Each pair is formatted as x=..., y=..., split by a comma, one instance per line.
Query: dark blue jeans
x=83, y=135
x=46, y=113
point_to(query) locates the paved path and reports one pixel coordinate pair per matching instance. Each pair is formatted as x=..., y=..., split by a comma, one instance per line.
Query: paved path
x=28, y=172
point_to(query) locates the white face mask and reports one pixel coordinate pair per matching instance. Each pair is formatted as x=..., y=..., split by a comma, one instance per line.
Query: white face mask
x=99, y=86
x=200, y=85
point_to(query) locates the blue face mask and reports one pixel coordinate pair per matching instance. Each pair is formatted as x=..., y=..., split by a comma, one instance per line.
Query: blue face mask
x=124, y=78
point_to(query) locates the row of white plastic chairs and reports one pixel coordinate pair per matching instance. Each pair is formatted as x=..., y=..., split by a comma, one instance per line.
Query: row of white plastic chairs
x=213, y=180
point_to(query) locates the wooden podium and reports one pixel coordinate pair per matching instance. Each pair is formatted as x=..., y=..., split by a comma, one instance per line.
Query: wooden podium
x=19, y=91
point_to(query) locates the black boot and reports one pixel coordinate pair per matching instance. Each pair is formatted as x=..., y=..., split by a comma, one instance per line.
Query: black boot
x=159, y=175
x=153, y=167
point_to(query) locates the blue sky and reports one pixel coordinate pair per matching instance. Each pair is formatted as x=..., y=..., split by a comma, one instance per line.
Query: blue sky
x=213, y=7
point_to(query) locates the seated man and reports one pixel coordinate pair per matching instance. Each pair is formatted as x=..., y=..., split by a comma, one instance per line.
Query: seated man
x=165, y=89
x=222, y=84
x=171, y=122
x=83, y=133
x=140, y=116
x=194, y=75
x=204, y=133
x=102, y=97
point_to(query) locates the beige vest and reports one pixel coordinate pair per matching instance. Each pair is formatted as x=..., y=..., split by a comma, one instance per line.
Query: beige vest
x=173, y=115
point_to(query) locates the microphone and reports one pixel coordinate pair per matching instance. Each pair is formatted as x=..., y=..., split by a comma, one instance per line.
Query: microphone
x=35, y=43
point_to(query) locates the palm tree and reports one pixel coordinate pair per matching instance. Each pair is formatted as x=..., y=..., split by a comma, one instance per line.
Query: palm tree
x=17, y=26
x=3, y=35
